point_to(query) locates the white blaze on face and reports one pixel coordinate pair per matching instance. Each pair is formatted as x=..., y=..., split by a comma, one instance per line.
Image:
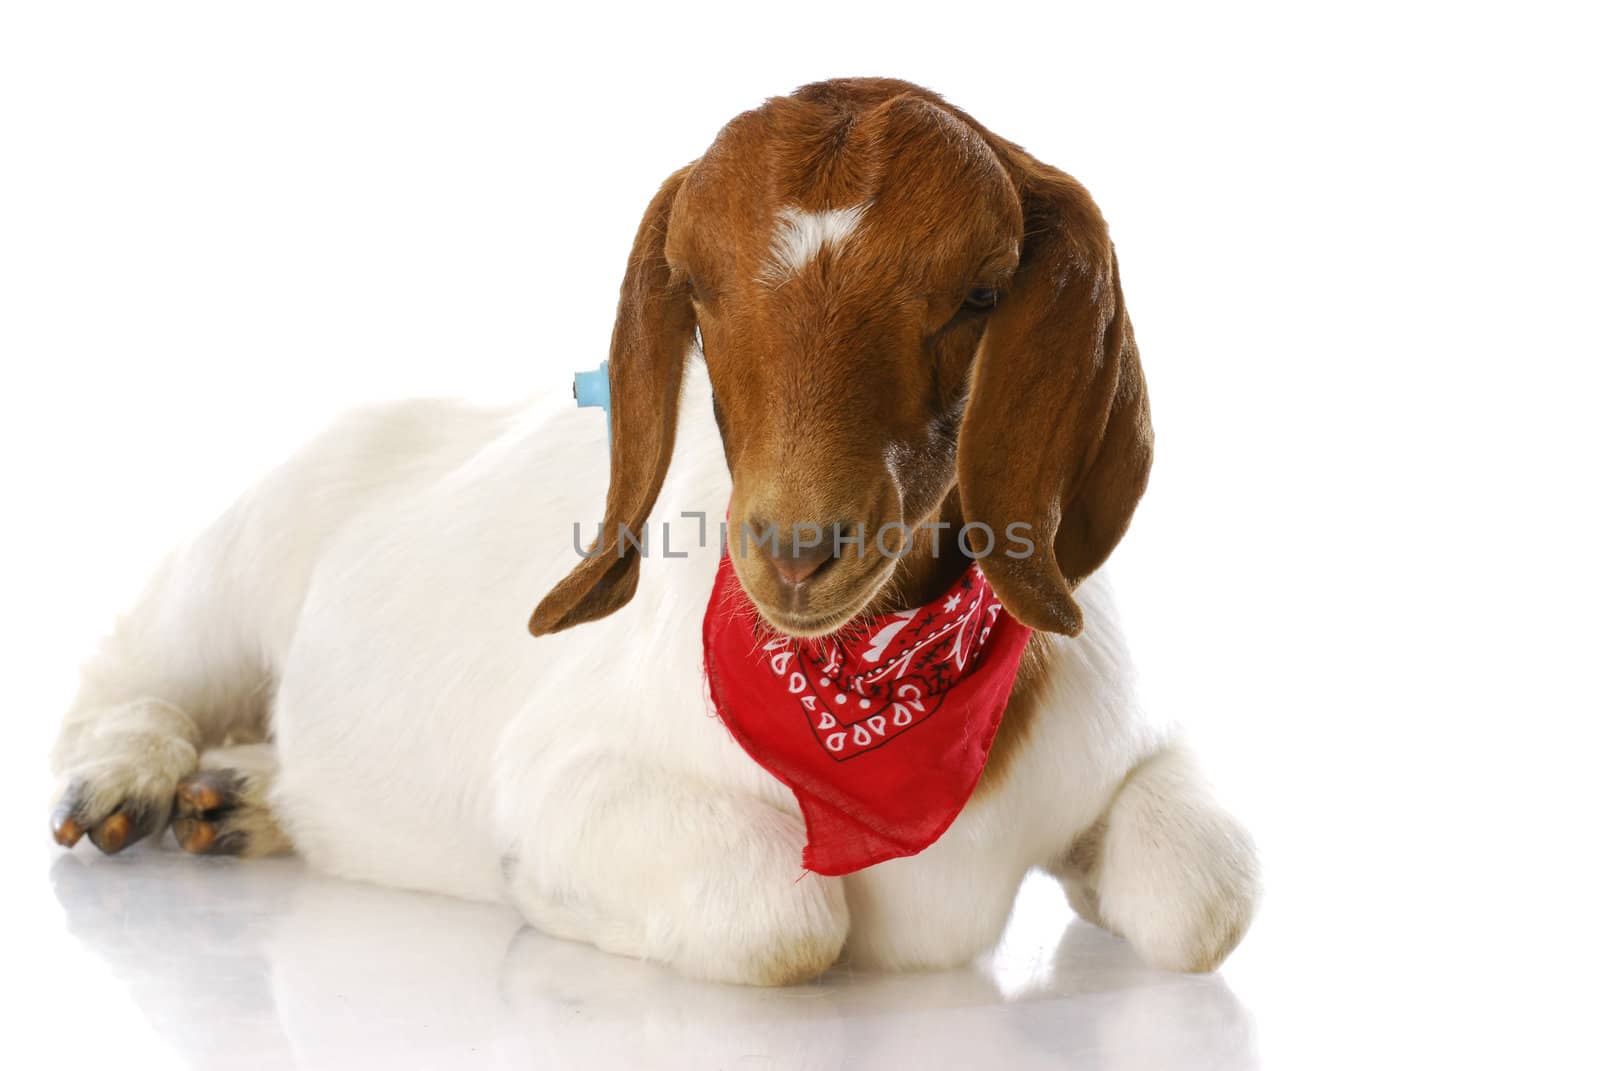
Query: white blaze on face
x=800, y=236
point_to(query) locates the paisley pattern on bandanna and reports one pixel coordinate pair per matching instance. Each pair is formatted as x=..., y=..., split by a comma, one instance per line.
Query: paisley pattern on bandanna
x=856, y=697
x=832, y=718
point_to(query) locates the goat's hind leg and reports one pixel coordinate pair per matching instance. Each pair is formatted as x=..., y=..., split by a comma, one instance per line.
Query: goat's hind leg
x=222, y=809
x=118, y=772
x=193, y=665
x=179, y=673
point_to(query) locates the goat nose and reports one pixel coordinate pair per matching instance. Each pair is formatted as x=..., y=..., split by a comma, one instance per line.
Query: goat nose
x=798, y=553
x=796, y=570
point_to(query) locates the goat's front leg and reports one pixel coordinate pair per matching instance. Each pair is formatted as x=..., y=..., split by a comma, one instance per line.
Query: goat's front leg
x=1166, y=867
x=645, y=862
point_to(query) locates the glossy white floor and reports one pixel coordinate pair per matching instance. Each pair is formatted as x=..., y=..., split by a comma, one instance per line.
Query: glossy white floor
x=155, y=959
x=217, y=963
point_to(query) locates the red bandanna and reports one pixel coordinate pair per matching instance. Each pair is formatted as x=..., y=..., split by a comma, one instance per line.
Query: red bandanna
x=880, y=732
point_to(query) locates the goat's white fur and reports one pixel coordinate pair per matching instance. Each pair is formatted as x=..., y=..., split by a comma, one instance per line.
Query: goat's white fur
x=799, y=235
x=369, y=600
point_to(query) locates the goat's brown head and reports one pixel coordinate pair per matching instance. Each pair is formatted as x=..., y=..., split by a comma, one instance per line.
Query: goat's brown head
x=895, y=306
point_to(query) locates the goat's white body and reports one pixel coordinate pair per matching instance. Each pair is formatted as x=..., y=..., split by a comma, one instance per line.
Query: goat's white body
x=375, y=590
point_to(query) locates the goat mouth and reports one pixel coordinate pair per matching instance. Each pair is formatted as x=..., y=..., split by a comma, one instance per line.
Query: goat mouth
x=807, y=626
x=807, y=622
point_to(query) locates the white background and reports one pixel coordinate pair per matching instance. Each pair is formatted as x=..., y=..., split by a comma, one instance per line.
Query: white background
x=1358, y=243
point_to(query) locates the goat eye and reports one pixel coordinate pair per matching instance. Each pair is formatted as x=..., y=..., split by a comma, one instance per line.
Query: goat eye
x=982, y=298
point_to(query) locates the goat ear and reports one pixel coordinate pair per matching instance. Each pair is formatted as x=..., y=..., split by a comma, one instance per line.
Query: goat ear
x=1057, y=427
x=649, y=349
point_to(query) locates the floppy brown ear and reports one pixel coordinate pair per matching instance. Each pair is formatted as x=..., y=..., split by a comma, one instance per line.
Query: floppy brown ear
x=649, y=347
x=1057, y=427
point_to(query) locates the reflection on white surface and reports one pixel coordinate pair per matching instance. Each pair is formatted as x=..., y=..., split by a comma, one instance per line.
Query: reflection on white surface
x=262, y=964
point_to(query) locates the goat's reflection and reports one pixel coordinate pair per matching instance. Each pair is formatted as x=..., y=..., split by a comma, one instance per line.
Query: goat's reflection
x=260, y=959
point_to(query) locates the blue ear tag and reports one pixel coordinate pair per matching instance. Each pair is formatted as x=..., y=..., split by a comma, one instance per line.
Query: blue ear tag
x=593, y=390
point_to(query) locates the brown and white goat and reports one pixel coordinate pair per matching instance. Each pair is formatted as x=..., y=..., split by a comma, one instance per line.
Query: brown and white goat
x=904, y=319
